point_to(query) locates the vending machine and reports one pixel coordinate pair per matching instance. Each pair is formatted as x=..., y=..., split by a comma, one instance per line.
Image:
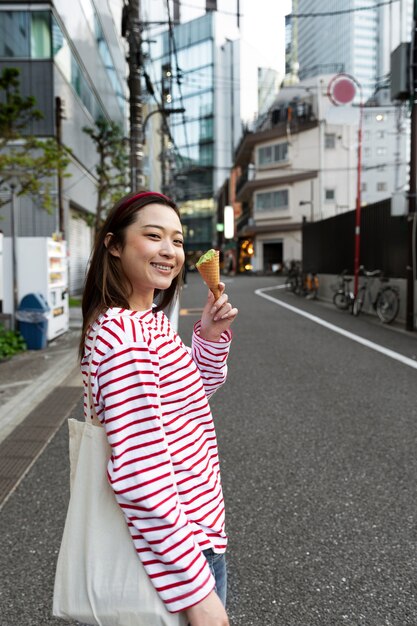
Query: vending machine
x=42, y=267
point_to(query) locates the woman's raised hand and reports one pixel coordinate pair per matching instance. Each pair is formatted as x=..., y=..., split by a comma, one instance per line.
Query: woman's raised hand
x=217, y=316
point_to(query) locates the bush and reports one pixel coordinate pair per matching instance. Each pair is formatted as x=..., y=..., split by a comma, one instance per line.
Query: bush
x=11, y=342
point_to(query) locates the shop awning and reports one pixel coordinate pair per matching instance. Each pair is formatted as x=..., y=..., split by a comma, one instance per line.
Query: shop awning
x=257, y=229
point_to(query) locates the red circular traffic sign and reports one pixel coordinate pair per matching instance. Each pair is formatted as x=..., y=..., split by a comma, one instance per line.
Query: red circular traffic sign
x=342, y=89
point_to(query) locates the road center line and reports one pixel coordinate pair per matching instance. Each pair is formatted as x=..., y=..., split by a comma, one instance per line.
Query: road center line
x=318, y=320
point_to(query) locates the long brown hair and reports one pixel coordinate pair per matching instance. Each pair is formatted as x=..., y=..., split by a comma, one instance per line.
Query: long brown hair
x=106, y=284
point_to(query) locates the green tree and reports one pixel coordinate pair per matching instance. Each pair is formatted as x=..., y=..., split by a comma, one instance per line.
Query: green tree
x=30, y=163
x=112, y=168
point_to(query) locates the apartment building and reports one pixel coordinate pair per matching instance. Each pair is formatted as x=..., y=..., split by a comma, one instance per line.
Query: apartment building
x=297, y=163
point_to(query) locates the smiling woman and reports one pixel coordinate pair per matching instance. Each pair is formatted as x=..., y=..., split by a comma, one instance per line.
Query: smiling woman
x=152, y=254
x=150, y=393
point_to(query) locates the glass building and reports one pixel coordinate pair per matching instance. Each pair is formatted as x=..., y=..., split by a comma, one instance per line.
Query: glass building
x=199, y=70
x=352, y=38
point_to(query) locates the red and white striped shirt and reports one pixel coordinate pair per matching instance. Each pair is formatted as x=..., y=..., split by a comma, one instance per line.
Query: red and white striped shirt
x=151, y=394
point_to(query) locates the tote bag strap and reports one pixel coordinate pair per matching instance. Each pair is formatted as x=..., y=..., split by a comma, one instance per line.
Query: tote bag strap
x=91, y=417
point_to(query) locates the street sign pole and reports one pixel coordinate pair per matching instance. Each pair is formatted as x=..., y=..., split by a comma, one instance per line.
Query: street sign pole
x=412, y=215
x=342, y=90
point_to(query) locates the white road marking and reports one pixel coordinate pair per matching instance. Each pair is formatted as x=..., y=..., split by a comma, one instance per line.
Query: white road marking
x=365, y=342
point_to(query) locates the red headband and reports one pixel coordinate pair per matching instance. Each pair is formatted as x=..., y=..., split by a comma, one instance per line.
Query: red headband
x=142, y=194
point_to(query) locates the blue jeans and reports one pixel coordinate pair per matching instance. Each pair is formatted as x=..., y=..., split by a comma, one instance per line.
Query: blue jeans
x=217, y=565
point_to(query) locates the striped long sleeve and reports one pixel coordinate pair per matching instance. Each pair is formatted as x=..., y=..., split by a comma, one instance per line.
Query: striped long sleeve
x=211, y=359
x=151, y=396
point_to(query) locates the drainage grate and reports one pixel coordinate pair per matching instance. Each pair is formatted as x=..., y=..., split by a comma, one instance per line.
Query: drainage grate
x=23, y=445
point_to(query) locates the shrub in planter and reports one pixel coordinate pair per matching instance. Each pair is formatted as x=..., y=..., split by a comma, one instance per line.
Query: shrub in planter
x=11, y=342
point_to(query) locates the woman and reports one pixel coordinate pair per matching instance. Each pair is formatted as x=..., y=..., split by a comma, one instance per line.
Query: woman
x=151, y=395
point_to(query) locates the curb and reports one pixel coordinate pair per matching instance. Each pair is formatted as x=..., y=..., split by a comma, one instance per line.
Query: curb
x=15, y=410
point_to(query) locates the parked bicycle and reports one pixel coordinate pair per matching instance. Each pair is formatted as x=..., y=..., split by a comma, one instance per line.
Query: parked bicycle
x=301, y=283
x=343, y=297
x=293, y=278
x=386, y=301
x=310, y=286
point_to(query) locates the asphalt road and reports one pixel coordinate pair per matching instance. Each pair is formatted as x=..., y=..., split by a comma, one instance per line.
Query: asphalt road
x=318, y=440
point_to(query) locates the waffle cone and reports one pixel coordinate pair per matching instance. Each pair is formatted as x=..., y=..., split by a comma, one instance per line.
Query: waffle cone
x=210, y=273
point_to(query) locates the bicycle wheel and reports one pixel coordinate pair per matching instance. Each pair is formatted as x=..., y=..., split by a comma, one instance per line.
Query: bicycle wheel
x=387, y=305
x=340, y=300
x=358, y=301
x=290, y=283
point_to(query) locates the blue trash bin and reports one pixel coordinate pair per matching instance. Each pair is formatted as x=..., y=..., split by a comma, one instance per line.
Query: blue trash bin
x=33, y=320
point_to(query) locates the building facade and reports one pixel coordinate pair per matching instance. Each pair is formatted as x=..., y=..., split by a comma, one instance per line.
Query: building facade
x=71, y=51
x=386, y=143
x=296, y=164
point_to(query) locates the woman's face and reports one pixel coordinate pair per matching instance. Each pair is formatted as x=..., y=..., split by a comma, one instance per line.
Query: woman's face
x=153, y=254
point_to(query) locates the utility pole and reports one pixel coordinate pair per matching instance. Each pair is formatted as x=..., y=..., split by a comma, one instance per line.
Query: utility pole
x=14, y=251
x=58, y=129
x=411, y=256
x=131, y=30
x=166, y=88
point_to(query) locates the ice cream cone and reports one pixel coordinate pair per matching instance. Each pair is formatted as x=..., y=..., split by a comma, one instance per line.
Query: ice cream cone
x=210, y=271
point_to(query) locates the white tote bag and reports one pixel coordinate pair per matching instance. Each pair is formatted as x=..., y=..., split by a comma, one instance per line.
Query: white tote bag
x=100, y=579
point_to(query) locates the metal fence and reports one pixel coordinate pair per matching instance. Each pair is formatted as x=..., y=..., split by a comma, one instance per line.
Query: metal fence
x=328, y=245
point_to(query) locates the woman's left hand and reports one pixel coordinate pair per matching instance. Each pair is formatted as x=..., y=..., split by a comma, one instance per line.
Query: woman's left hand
x=217, y=316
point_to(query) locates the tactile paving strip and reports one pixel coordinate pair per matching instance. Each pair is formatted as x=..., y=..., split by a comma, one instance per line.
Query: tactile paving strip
x=23, y=445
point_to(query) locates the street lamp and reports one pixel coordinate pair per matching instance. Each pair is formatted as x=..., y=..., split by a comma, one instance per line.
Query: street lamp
x=163, y=112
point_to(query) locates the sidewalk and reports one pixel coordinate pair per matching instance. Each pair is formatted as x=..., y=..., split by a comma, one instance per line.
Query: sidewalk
x=38, y=390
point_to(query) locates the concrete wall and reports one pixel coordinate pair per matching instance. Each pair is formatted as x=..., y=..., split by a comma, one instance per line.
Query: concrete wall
x=329, y=281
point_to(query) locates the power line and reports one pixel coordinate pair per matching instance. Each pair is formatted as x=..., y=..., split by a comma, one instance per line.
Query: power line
x=177, y=72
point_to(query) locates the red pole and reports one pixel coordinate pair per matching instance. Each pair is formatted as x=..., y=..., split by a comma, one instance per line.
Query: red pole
x=358, y=203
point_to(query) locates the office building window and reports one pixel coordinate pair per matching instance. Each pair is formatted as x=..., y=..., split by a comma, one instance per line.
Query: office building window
x=107, y=59
x=364, y=187
x=14, y=34
x=330, y=141
x=25, y=34
x=73, y=72
x=269, y=155
x=206, y=128
x=381, y=151
x=206, y=154
x=381, y=186
x=329, y=195
x=40, y=35
x=271, y=200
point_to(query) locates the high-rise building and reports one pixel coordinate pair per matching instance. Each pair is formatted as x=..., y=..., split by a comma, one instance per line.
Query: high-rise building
x=355, y=38
x=72, y=51
x=268, y=86
x=196, y=66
